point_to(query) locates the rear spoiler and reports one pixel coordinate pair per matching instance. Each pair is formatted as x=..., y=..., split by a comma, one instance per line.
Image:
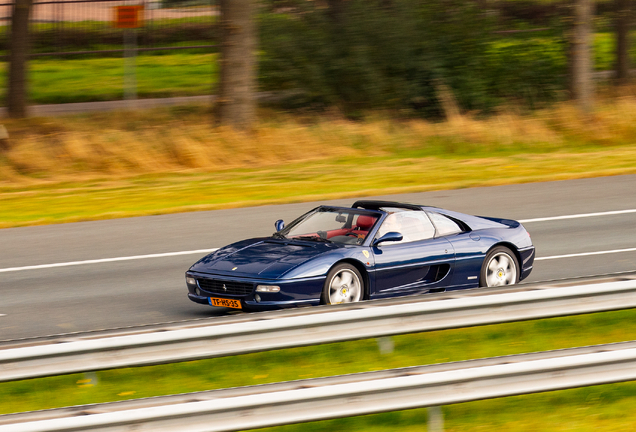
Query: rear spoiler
x=508, y=222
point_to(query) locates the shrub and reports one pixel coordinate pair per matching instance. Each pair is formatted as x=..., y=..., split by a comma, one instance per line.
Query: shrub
x=397, y=54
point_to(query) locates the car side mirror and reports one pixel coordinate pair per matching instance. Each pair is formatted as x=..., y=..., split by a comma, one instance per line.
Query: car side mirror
x=279, y=224
x=389, y=237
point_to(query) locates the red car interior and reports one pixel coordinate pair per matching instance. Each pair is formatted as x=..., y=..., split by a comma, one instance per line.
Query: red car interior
x=361, y=228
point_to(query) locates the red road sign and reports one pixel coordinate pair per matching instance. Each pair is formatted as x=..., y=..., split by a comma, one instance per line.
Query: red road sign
x=128, y=16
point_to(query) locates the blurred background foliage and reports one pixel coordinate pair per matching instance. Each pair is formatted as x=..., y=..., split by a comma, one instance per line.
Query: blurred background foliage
x=400, y=53
x=405, y=55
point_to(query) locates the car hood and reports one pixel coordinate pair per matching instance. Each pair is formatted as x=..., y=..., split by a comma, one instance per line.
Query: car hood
x=263, y=259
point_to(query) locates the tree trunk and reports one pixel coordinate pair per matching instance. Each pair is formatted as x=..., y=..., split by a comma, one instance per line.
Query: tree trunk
x=582, y=87
x=236, y=104
x=19, y=51
x=335, y=9
x=623, y=19
x=483, y=4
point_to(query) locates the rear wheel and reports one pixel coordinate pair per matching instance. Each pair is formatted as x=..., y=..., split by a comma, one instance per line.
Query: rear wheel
x=344, y=284
x=500, y=268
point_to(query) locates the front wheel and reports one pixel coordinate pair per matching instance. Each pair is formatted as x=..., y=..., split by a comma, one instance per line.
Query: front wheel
x=343, y=285
x=500, y=267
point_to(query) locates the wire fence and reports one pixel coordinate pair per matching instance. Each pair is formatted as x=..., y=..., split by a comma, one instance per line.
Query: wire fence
x=86, y=27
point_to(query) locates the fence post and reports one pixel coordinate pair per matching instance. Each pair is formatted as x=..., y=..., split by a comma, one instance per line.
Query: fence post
x=130, y=79
x=128, y=18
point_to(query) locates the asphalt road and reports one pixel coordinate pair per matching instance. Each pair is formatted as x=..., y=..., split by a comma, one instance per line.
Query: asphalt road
x=115, y=294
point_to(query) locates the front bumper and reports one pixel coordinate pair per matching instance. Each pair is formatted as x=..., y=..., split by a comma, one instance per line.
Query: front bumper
x=253, y=305
x=293, y=292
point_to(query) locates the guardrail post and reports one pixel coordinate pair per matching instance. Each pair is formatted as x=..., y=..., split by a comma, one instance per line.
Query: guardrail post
x=435, y=419
x=385, y=344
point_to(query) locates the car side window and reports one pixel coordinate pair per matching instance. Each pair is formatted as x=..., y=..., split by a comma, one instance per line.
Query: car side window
x=413, y=225
x=444, y=225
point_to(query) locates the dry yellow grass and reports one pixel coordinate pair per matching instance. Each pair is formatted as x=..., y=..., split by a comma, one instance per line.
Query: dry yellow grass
x=155, y=142
x=103, y=166
x=169, y=141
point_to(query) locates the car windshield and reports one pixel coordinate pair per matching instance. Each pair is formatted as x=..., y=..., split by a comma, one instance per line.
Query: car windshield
x=332, y=225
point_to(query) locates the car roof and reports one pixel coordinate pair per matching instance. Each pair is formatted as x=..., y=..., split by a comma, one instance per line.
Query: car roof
x=379, y=205
x=361, y=210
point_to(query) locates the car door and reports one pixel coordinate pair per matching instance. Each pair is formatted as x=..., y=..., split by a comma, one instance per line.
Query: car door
x=470, y=249
x=417, y=263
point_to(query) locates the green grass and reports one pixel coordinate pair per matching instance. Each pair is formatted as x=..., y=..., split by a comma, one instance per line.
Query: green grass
x=601, y=408
x=604, y=47
x=604, y=51
x=101, y=79
x=587, y=408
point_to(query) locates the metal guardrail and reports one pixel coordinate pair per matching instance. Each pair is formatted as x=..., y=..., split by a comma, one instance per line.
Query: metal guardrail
x=344, y=396
x=322, y=325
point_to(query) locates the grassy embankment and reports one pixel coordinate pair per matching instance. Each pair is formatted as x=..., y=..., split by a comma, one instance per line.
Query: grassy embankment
x=55, y=81
x=109, y=165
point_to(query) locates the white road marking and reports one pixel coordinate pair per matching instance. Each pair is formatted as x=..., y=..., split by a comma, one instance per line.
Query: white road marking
x=106, y=260
x=585, y=254
x=202, y=251
x=577, y=216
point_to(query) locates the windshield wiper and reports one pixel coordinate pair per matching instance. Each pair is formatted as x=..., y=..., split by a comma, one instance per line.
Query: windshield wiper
x=278, y=235
x=314, y=238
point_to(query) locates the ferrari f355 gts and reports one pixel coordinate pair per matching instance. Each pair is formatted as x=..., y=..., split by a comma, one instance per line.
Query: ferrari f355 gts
x=371, y=250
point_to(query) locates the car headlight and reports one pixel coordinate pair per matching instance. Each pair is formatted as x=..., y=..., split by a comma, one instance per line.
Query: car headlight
x=268, y=288
x=191, y=280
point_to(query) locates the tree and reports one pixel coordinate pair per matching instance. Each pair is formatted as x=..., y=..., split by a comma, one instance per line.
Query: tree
x=582, y=87
x=236, y=104
x=336, y=9
x=19, y=51
x=622, y=22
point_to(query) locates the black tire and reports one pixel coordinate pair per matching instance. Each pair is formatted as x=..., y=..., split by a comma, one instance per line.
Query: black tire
x=500, y=268
x=344, y=284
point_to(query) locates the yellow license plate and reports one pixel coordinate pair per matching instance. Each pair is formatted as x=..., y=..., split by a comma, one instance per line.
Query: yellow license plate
x=235, y=304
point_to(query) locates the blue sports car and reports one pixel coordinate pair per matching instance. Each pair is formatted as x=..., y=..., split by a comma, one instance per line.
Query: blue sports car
x=374, y=249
